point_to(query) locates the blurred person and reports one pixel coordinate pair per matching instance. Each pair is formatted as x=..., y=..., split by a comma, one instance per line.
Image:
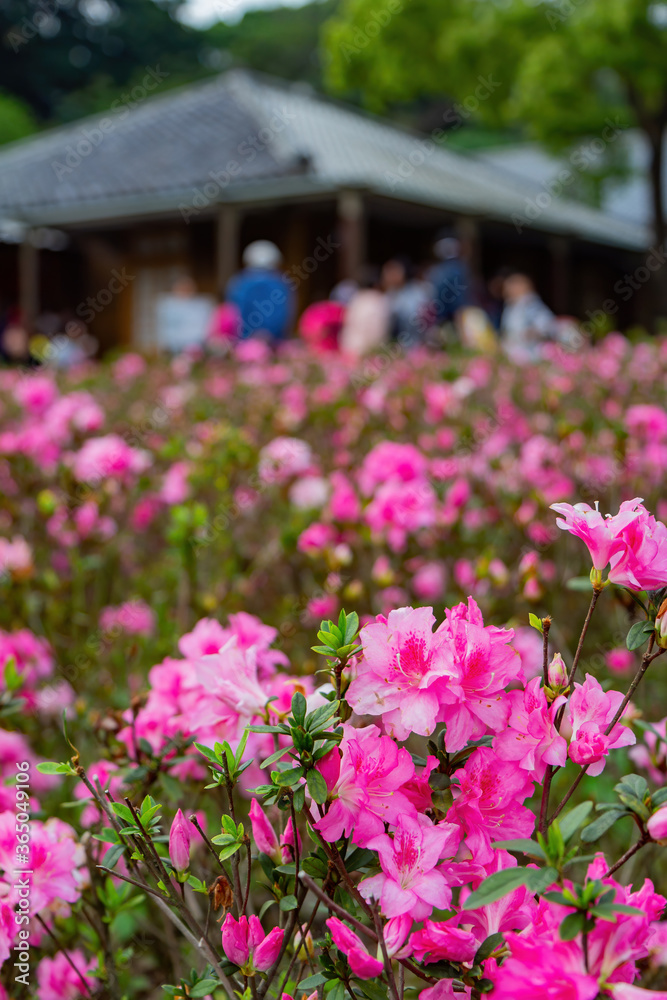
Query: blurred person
x=366, y=325
x=14, y=340
x=450, y=279
x=320, y=325
x=527, y=323
x=409, y=300
x=183, y=316
x=262, y=294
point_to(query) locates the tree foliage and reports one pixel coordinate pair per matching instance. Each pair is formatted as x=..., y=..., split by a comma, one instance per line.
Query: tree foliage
x=563, y=69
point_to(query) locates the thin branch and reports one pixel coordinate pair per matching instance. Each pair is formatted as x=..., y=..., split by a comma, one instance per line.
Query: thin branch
x=546, y=625
x=648, y=658
x=64, y=951
x=643, y=840
x=580, y=645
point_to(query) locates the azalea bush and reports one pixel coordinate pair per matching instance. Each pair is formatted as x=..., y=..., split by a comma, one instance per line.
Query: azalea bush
x=455, y=785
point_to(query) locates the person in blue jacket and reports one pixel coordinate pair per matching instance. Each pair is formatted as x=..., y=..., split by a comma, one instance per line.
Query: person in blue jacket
x=262, y=294
x=450, y=279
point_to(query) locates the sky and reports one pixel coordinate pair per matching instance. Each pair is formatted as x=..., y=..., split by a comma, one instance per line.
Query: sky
x=203, y=13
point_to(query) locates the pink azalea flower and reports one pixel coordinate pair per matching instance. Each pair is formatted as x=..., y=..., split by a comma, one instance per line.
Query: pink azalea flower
x=589, y=712
x=133, y=617
x=108, y=457
x=602, y=535
x=482, y=663
x=362, y=964
x=245, y=944
x=344, y=503
x=443, y=941
x=488, y=803
x=57, y=980
x=410, y=882
x=642, y=563
x=534, y=969
x=55, y=857
x=531, y=738
x=283, y=458
x=402, y=660
x=262, y=832
x=367, y=793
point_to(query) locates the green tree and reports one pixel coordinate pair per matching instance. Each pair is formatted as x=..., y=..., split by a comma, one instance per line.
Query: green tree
x=561, y=68
x=16, y=119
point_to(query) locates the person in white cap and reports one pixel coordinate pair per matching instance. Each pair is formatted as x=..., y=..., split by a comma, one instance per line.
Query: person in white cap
x=262, y=294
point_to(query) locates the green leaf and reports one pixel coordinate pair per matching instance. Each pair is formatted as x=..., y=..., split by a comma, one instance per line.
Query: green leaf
x=540, y=879
x=600, y=825
x=535, y=622
x=207, y=752
x=495, y=887
x=572, y=925
x=53, y=767
x=113, y=855
x=124, y=812
x=289, y=869
x=373, y=990
x=579, y=583
x=315, y=720
x=317, y=786
x=316, y=867
x=351, y=626
x=660, y=797
x=273, y=758
x=227, y=852
x=299, y=708
x=638, y=634
x=290, y=777
x=524, y=846
x=108, y=836
x=312, y=982
x=487, y=947
x=203, y=988
x=359, y=858
x=570, y=823
x=288, y=903
x=635, y=784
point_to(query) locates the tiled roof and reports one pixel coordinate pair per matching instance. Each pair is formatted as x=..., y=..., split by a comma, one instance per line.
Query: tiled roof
x=262, y=139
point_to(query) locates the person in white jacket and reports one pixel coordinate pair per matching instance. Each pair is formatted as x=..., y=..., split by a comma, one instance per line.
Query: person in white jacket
x=527, y=323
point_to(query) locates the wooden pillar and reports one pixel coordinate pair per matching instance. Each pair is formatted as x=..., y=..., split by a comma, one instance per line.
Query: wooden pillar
x=559, y=247
x=28, y=281
x=352, y=229
x=228, y=232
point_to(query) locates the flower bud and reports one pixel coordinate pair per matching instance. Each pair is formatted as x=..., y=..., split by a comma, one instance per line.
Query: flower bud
x=268, y=950
x=179, y=842
x=263, y=833
x=557, y=672
x=661, y=625
x=657, y=825
x=235, y=940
